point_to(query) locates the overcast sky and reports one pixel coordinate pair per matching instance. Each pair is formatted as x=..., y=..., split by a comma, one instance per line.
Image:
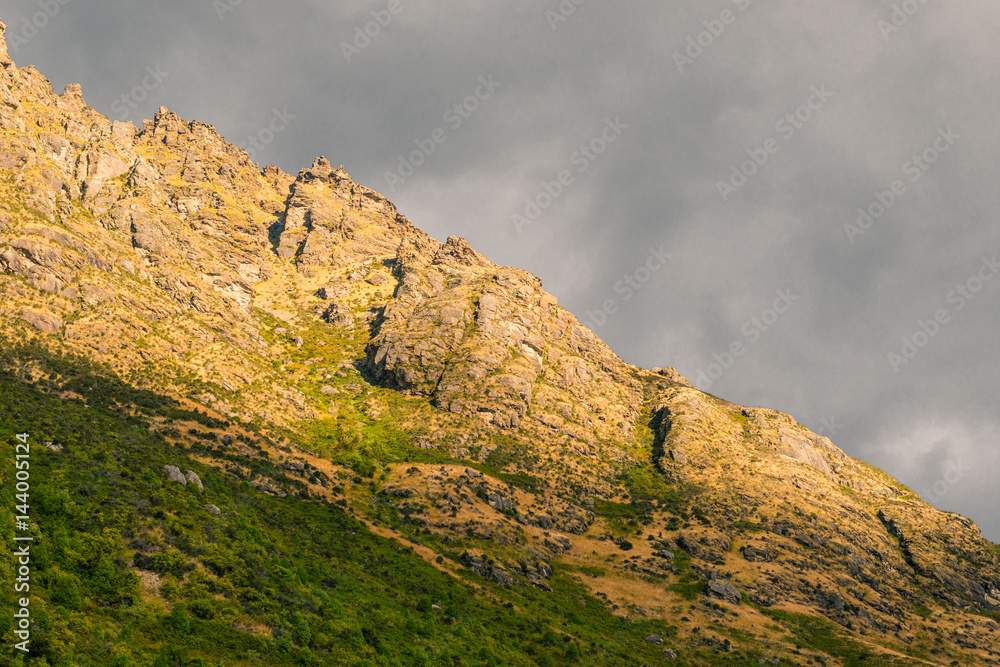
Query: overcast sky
x=736, y=136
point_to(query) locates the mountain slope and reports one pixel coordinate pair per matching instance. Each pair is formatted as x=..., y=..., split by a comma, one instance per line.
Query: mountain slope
x=317, y=358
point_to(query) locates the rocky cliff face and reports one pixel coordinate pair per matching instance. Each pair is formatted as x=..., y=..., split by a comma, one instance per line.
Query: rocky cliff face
x=293, y=302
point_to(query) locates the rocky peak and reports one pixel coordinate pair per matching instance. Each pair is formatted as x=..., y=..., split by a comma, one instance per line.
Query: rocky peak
x=457, y=251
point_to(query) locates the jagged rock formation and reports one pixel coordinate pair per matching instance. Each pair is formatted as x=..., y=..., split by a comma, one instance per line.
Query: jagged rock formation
x=290, y=301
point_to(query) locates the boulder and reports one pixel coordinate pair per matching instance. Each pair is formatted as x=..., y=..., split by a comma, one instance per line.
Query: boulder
x=338, y=315
x=44, y=322
x=723, y=590
x=174, y=474
x=557, y=544
x=331, y=292
x=194, y=479
x=756, y=555
x=267, y=488
x=499, y=502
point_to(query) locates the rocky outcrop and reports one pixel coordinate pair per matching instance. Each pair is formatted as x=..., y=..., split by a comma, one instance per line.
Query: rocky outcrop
x=330, y=221
x=488, y=342
x=509, y=574
x=174, y=474
x=44, y=322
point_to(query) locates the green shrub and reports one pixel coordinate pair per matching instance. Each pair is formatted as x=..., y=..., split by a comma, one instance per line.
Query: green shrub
x=179, y=619
x=66, y=592
x=203, y=609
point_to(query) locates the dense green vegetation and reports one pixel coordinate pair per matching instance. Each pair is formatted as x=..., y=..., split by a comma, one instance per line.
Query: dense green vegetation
x=129, y=568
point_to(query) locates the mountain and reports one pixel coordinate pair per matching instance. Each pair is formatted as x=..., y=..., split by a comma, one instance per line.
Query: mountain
x=273, y=422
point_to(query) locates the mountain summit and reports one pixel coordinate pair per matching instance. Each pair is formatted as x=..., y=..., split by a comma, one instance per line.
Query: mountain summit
x=294, y=342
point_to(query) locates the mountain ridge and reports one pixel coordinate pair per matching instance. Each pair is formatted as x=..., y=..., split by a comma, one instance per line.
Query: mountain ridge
x=442, y=388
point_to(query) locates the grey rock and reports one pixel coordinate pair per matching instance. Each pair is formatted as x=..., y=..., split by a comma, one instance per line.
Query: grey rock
x=149, y=235
x=331, y=292
x=175, y=475
x=654, y=639
x=796, y=447
x=399, y=492
x=557, y=544
x=295, y=465
x=499, y=503
x=678, y=456
x=44, y=322
x=93, y=295
x=669, y=654
x=755, y=555
x=48, y=283
x=213, y=509
x=267, y=488
x=487, y=569
x=723, y=590
x=338, y=315
x=194, y=479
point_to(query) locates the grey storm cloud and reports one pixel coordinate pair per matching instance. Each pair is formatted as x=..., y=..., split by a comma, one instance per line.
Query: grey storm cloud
x=873, y=204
